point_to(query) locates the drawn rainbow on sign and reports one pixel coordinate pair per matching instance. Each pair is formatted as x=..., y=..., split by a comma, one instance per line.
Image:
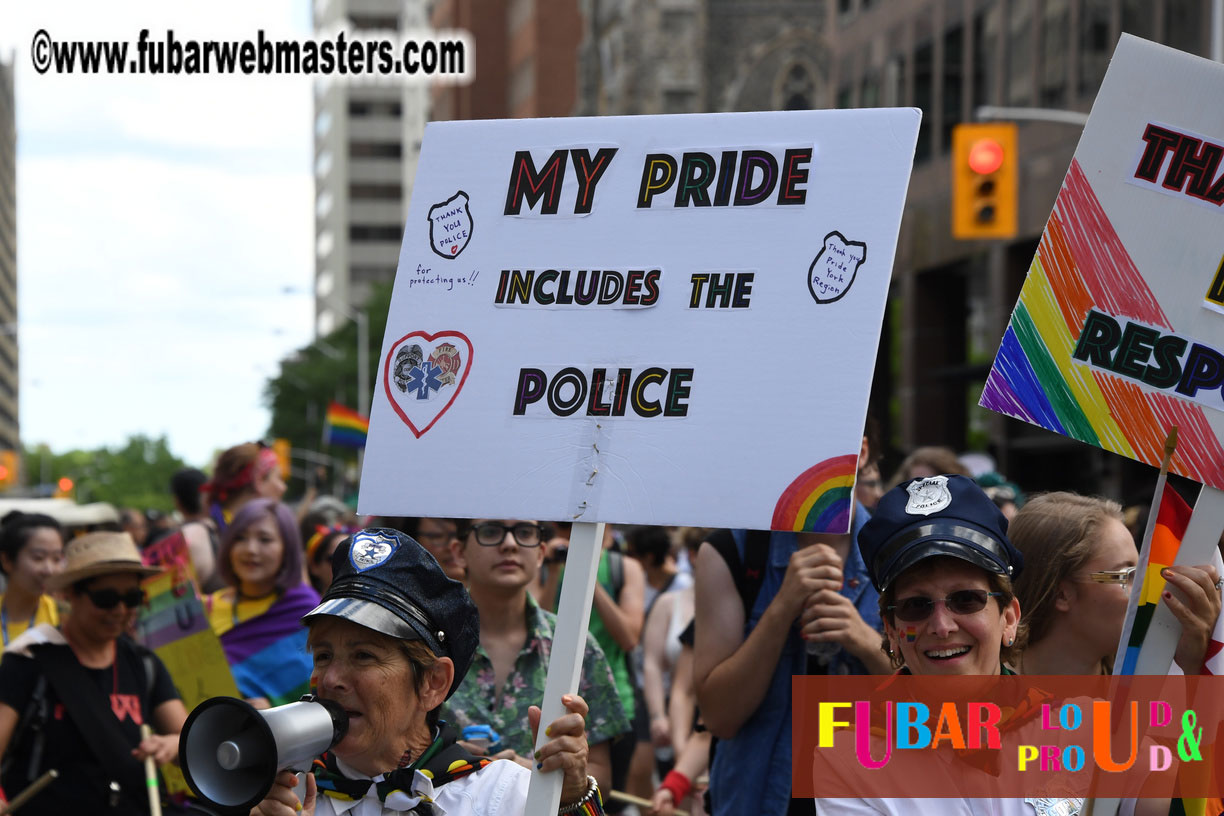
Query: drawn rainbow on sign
x=1081, y=263
x=819, y=500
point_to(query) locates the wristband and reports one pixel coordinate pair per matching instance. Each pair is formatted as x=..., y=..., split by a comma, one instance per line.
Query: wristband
x=591, y=803
x=678, y=784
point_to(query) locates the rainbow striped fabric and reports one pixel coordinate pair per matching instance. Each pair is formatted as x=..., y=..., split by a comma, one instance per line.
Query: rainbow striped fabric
x=345, y=427
x=1081, y=263
x=1172, y=519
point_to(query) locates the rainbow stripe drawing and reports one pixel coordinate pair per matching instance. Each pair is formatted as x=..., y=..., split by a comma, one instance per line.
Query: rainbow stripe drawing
x=819, y=500
x=1110, y=342
x=1081, y=264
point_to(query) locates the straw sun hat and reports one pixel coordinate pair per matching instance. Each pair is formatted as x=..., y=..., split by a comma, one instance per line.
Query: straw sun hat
x=96, y=554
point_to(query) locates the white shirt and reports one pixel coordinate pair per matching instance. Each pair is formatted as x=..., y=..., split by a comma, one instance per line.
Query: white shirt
x=958, y=807
x=498, y=789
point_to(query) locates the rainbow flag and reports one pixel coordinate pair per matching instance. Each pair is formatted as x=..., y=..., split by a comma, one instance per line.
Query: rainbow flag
x=345, y=427
x=1172, y=518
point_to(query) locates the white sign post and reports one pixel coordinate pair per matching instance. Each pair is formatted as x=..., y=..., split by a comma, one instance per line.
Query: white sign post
x=649, y=320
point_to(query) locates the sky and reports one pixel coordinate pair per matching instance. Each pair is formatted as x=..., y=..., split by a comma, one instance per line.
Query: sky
x=160, y=221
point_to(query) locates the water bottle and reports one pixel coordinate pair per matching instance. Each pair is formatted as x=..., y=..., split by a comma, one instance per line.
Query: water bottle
x=482, y=736
x=822, y=650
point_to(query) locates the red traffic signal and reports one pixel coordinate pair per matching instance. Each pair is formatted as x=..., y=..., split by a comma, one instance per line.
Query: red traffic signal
x=985, y=156
x=985, y=180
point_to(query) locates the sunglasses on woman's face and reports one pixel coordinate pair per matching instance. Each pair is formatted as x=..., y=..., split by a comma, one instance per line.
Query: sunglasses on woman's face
x=961, y=602
x=110, y=598
x=1124, y=577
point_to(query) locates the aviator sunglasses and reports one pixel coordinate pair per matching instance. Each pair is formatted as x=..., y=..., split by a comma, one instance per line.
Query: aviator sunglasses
x=110, y=598
x=960, y=602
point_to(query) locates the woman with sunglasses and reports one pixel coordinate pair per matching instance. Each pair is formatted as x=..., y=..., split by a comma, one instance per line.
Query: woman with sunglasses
x=74, y=698
x=1074, y=594
x=31, y=551
x=938, y=553
x=258, y=618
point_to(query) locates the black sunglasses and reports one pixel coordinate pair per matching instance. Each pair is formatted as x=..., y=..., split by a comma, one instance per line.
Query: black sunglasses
x=110, y=598
x=492, y=533
x=960, y=602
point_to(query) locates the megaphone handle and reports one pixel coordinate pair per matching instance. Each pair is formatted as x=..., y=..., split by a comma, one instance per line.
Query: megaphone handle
x=150, y=768
x=30, y=792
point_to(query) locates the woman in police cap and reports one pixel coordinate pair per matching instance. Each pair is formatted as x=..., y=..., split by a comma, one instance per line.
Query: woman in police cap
x=391, y=641
x=937, y=551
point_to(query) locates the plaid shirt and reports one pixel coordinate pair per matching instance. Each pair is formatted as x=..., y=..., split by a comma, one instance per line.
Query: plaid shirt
x=477, y=702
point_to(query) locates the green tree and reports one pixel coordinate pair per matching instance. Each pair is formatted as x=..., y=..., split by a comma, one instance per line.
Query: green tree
x=135, y=474
x=320, y=373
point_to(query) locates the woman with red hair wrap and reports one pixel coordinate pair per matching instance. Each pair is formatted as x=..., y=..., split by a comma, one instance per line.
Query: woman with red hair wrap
x=244, y=472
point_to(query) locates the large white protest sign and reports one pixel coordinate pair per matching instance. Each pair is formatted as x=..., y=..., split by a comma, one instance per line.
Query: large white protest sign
x=660, y=320
x=1119, y=333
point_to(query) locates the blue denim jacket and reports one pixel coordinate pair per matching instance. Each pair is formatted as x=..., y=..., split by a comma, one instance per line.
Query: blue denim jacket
x=752, y=770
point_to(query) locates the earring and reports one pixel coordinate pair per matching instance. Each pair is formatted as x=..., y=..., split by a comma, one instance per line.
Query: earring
x=1010, y=641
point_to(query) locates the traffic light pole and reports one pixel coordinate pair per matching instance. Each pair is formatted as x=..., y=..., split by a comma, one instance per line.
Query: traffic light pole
x=988, y=113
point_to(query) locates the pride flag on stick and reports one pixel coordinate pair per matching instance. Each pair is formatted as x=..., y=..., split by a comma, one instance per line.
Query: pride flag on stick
x=1156, y=553
x=1172, y=519
x=345, y=427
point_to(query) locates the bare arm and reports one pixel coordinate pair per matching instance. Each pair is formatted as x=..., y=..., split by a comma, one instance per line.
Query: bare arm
x=680, y=709
x=731, y=673
x=623, y=618
x=199, y=546
x=8, y=725
x=654, y=646
x=599, y=764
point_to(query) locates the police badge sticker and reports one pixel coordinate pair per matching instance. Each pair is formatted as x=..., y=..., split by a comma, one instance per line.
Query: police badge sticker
x=832, y=273
x=450, y=226
x=927, y=496
x=1055, y=807
x=369, y=549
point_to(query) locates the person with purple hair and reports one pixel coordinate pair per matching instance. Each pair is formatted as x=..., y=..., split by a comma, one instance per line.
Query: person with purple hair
x=258, y=615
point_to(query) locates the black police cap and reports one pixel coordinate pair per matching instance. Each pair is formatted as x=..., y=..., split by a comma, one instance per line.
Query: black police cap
x=937, y=515
x=385, y=581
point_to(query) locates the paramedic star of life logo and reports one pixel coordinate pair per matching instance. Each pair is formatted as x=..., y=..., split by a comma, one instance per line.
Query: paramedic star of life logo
x=371, y=549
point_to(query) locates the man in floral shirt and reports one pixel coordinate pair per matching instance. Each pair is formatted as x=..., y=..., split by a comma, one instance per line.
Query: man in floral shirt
x=502, y=558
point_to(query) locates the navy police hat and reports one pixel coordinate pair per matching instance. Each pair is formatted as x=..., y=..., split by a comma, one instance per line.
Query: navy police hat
x=937, y=515
x=385, y=581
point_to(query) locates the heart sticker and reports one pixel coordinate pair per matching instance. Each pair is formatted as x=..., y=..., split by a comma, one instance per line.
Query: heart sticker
x=423, y=373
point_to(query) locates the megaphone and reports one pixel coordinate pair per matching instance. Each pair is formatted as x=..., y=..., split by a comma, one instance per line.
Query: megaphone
x=230, y=752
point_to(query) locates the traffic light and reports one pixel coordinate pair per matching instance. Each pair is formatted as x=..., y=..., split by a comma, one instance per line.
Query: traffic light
x=63, y=488
x=9, y=469
x=984, y=180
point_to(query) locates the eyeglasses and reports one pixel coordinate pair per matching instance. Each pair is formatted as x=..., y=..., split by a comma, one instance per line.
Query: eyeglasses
x=491, y=533
x=1124, y=576
x=960, y=602
x=110, y=598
